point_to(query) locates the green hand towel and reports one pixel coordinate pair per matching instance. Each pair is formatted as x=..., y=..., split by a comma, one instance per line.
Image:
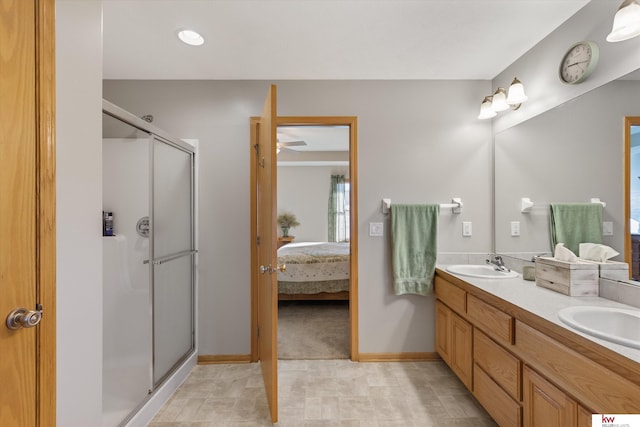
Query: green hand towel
x=575, y=223
x=414, y=238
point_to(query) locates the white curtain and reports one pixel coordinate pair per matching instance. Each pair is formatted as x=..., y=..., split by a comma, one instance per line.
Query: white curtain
x=338, y=209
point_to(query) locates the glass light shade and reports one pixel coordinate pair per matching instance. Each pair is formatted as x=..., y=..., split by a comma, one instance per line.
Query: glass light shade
x=516, y=93
x=626, y=22
x=486, y=112
x=191, y=37
x=499, y=101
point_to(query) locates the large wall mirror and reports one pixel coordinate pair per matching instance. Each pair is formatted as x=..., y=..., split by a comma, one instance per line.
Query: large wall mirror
x=569, y=154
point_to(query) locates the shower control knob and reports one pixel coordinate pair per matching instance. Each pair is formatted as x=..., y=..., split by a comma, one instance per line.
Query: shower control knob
x=23, y=318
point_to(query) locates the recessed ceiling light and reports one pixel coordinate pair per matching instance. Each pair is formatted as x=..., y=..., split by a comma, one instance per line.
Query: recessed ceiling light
x=191, y=37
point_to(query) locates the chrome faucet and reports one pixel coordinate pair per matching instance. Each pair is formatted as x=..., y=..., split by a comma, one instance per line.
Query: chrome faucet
x=498, y=263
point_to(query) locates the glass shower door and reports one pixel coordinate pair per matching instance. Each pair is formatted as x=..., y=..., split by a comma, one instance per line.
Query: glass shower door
x=173, y=257
x=127, y=319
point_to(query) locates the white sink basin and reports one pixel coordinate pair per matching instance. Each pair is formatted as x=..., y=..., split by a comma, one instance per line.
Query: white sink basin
x=617, y=325
x=480, y=270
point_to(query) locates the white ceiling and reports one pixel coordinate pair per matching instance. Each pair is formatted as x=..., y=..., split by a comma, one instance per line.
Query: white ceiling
x=325, y=39
x=316, y=138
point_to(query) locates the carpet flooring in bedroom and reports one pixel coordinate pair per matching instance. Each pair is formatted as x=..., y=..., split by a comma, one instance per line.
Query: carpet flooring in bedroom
x=313, y=330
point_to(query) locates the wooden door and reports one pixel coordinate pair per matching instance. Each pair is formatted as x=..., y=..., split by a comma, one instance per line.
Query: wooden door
x=267, y=251
x=27, y=211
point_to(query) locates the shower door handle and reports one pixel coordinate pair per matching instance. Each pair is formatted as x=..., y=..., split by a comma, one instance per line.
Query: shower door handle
x=266, y=269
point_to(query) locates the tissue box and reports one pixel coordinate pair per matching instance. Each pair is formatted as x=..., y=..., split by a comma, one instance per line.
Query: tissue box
x=612, y=270
x=570, y=278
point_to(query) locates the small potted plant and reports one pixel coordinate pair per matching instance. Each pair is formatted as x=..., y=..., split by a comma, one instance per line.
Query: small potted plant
x=287, y=220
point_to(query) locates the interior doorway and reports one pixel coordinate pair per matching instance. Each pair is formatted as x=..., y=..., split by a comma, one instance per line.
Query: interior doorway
x=297, y=149
x=632, y=195
x=313, y=191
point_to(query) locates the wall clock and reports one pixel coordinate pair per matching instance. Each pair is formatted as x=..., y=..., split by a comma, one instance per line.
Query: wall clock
x=579, y=62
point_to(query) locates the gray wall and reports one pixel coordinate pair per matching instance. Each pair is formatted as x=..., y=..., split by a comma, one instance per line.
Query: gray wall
x=538, y=68
x=304, y=190
x=418, y=142
x=78, y=211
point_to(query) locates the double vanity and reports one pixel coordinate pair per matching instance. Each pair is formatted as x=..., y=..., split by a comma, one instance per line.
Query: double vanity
x=532, y=356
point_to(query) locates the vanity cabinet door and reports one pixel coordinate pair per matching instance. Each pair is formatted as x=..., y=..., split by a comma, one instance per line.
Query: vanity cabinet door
x=462, y=349
x=454, y=342
x=584, y=417
x=545, y=405
x=443, y=341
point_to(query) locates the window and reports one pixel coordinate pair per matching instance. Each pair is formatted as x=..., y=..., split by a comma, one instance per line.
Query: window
x=339, y=209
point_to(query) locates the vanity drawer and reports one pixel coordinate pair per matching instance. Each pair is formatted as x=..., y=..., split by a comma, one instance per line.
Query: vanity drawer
x=504, y=410
x=589, y=382
x=493, y=322
x=504, y=368
x=451, y=295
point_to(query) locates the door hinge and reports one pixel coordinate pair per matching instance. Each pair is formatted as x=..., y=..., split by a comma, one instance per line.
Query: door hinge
x=257, y=240
x=258, y=331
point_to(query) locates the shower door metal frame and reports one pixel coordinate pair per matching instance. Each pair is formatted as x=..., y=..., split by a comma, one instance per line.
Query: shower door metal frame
x=153, y=261
x=158, y=134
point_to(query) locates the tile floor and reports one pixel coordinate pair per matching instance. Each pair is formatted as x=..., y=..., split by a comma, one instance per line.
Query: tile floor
x=325, y=393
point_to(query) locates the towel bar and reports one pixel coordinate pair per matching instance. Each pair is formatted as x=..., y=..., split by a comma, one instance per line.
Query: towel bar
x=526, y=204
x=455, y=205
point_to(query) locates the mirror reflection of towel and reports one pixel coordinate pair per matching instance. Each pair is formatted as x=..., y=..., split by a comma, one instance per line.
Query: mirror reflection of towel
x=414, y=242
x=575, y=223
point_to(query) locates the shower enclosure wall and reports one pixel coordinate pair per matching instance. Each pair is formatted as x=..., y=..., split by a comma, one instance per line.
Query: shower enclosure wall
x=149, y=261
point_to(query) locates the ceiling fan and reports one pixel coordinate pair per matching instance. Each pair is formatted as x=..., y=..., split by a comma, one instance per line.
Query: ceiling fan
x=285, y=144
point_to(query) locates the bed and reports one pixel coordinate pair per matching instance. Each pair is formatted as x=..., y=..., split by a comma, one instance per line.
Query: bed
x=315, y=271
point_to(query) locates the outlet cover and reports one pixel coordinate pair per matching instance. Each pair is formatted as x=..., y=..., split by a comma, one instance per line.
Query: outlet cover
x=376, y=229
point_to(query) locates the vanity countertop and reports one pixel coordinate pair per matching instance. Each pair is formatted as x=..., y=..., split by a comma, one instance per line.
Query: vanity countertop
x=545, y=304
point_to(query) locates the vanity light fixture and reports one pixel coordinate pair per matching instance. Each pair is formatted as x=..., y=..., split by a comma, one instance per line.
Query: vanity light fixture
x=626, y=22
x=502, y=101
x=486, y=112
x=516, y=94
x=190, y=37
x=499, y=101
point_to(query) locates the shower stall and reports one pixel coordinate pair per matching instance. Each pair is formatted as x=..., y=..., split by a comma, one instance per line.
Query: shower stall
x=149, y=259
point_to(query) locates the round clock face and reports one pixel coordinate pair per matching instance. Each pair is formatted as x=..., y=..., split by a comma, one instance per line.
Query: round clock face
x=579, y=62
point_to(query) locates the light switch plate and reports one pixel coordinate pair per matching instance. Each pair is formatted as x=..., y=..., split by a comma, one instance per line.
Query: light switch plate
x=607, y=228
x=515, y=228
x=466, y=228
x=376, y=229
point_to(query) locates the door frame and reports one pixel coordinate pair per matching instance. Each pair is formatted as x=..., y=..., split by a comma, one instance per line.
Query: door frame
x=46, y=212
x=628, y=250
x=352, y=123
